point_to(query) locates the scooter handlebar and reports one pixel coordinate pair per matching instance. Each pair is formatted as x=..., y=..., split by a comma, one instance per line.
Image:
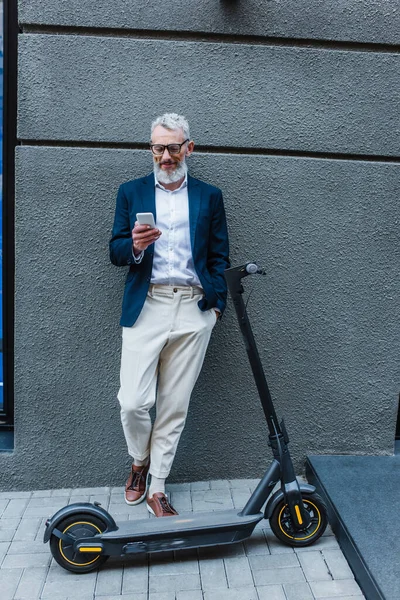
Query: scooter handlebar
x=253, y=269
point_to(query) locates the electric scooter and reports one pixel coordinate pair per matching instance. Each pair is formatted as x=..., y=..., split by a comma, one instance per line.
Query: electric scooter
x=83, y=535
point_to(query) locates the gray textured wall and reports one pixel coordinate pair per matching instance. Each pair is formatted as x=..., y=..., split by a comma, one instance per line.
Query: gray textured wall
x=295, y=108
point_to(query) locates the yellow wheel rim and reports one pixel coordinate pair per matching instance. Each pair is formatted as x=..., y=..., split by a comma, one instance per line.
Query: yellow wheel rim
x=61, y=550
x=292, y=537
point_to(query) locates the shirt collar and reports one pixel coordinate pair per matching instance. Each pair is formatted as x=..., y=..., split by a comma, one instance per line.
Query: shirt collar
x=160, y=185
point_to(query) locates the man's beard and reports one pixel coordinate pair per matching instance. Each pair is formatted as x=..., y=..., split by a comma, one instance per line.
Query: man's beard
x=170, y=176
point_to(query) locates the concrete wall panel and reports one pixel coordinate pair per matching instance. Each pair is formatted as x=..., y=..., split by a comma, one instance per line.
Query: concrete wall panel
x=102, y=89
x=353, y=20
x=325, y=316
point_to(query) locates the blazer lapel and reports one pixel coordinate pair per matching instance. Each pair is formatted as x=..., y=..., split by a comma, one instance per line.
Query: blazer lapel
x=148, y=195
x=194, y=195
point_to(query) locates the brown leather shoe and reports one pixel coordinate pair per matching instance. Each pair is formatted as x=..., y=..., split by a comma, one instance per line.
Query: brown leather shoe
x=136, y=485
x=159, y=506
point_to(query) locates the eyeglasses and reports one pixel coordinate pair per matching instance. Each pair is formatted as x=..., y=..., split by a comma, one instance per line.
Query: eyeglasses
x=159, y=149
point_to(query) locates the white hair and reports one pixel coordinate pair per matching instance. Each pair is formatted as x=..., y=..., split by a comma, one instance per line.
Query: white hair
x=172, y=121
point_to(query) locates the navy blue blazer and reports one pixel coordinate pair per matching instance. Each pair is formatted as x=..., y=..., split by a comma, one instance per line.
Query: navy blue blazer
x=208, y=237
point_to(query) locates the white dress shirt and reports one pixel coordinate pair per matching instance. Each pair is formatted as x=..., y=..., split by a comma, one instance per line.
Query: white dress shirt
x=173, y=260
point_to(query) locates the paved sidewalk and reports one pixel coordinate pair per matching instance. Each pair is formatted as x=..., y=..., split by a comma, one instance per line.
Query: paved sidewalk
x=259, y=569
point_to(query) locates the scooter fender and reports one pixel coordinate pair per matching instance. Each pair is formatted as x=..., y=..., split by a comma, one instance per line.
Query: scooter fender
x=74, y=509
x=278, y=496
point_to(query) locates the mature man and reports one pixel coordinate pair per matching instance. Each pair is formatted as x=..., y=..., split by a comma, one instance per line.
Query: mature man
x=174, y=292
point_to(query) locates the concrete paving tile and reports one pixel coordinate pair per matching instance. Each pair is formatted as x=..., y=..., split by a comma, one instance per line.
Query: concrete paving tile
x=213, y=575
x=177, y=487
x=109, y=581
x=11, y=495
x=27, y=529
x=30, y=547
x=6, y=535
x=298, y=591
x=134, y=516
x=41, y=493
x=64, y=577
x=9, y=580
x=165, y=596
x=23, y=561
x=232, y=594
x=334, y=589
x=104, y=500
x=3, y=505
x=276, y=576
x=314, y=566
x=181, y=501
x=31, y=584
x=256, y=544
x=200, y=486
x=271, y=592
x=51, y=501
x=337, y=564
x=214, y=499
x=15, y=508
x=135, y=577
x=61, y=492
x=239, y=498
x=4, y=546
x=174, y=583
x=240, y=484
x=273, y=561
x=90, y=491
x=56, y=590
x=117, y=490
x=174, y=567
x=119, y=499
x=219, y=484
x=189, y=595
x=77, y=499
x=238, y=572
x=125, y=509
x=355, y=597
x=324, y=543
x=41, y=511
x=124, y=597
x=275, y=546
x=10, y=523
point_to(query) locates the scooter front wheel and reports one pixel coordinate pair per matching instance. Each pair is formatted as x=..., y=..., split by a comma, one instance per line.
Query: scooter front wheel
x=77, y=527
x=282, y=524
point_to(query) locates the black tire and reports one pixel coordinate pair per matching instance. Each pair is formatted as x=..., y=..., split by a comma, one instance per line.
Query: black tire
x=80, y=525
x=282, y=524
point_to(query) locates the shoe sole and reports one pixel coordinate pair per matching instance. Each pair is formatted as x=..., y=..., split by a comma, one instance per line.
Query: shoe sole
x=151, y=511
x=139, y=500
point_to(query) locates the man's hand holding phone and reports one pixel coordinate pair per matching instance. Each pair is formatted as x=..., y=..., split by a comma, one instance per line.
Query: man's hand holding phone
x=144, y=232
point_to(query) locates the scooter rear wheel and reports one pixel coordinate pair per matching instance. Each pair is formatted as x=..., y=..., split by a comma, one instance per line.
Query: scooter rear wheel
x=79, y=526
x=282, y=524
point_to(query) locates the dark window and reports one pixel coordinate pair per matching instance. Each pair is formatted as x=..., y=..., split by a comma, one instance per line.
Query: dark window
x=8, y=88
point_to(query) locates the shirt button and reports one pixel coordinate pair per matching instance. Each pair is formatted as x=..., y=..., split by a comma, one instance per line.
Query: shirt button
x=175, y=290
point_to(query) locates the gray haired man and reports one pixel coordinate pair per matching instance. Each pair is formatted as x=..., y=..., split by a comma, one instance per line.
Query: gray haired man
x=174, y=293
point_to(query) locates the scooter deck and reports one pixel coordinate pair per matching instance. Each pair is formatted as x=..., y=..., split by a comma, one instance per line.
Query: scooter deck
x=186, y=530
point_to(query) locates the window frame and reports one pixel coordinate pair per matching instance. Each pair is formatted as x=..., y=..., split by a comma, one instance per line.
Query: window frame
x=10, y=34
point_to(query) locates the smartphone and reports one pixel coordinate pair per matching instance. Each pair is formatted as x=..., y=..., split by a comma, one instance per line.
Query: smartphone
x=146, y=219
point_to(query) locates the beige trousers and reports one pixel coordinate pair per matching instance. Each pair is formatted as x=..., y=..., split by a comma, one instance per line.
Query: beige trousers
x=162, y=355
